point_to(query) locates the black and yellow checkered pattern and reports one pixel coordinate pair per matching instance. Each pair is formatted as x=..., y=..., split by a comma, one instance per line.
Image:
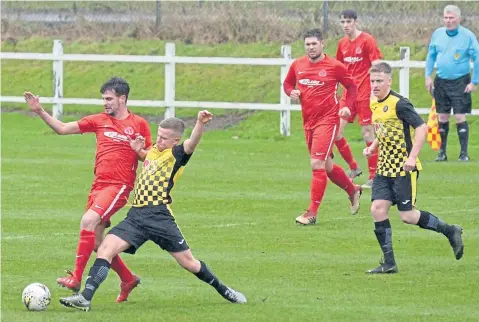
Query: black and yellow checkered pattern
x=394, y=137
x=392, y=151
x=157, y=178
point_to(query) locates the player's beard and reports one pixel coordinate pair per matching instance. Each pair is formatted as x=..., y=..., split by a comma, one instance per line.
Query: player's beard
x=110, y=111
x=314, y=57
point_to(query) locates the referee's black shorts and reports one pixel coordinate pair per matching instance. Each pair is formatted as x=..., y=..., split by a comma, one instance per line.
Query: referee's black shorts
x=449, y=94
x=401, y=191
x=155, y=223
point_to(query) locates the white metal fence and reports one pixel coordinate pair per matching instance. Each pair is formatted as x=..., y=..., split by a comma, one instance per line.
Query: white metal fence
x=170, y=60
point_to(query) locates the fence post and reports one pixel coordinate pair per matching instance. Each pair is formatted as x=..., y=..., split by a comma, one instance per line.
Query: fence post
x=158, y=14
x=404, y=72
x=285, y=119
x=325, y=16
x=57, y=78
x=170, y=81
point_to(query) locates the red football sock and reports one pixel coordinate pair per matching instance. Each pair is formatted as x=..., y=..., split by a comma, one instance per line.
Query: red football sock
x=341, y=179
x=372, y=162
x=86, y=244
x=121, y=269
x=318, y=187
x=345, y=151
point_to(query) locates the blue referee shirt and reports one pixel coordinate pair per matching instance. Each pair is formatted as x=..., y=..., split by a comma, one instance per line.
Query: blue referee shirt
x=453, y=54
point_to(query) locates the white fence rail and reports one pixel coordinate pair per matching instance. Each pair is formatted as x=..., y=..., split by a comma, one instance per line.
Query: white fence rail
x=170, y=60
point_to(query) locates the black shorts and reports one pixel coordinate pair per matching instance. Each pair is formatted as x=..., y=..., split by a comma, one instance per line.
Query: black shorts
x=154, y=223
x=449, y=93
x=401, y=191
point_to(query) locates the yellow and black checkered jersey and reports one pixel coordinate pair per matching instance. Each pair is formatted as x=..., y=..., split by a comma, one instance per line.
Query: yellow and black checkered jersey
x=394, y=120
x=160, y=171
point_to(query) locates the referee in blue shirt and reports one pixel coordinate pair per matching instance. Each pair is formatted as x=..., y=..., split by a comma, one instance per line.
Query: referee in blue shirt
x=452, y=47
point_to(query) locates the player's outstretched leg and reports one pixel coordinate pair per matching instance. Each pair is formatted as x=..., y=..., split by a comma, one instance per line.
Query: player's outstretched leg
x=199, y=269
x=339, y=178
x=128, y=280
x=452, y=232
x=96, y=276
x=207, y=276
x=384, y=236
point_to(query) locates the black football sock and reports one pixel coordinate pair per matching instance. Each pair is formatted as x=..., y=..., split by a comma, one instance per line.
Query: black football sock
x=463, y=134
x=444, y=131
x=207, y=276
x=96, y=276
x=384, y=236
x=431, y=222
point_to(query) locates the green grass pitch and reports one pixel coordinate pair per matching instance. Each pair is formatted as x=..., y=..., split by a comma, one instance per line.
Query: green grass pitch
x=236, y=204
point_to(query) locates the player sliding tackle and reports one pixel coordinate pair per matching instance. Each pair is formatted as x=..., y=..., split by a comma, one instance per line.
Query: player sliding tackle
x=151, y=217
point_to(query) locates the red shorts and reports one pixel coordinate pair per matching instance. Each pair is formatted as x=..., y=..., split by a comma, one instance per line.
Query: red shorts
x=320, y=140
x=362, y=110
x=107, y=199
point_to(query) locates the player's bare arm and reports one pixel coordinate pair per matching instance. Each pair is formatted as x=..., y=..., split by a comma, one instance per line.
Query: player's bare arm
x=369, y=150
x=56, y=125
x=191, y=143
x=138, y=145
x=420, y=134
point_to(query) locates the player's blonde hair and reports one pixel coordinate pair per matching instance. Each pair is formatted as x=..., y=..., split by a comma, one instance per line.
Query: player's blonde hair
x=173, y=123
x=381, y=67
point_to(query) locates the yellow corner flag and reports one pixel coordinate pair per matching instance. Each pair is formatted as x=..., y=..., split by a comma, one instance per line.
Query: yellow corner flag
x=433, y=136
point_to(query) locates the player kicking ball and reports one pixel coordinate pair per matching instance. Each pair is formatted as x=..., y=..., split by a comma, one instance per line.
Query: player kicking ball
x=151, y=217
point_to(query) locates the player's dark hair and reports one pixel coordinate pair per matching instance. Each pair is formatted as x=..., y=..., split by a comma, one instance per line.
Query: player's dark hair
x=313, y=33
x=174, y=124
x=381, y=67
x=118, y=85
x=349, y=14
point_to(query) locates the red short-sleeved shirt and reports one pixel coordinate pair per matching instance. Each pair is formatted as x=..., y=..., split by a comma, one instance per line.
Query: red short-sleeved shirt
x=318, y=83
x=115, y=161
x=357, y=55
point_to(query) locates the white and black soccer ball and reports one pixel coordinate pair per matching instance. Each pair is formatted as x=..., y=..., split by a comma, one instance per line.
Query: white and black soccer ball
x=36, y=297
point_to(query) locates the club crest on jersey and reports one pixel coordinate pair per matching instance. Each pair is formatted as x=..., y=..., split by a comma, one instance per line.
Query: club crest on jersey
x=456, y=56
x=359, y=51
x=322, y=73
x=129, y=131
x=385, y=108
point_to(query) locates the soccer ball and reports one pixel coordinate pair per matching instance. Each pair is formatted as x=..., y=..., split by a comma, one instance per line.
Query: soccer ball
x=36, y=297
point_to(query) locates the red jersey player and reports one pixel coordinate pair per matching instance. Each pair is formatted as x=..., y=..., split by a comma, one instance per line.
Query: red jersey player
x=115, y=172
x=357, y=50
x=313, y=79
